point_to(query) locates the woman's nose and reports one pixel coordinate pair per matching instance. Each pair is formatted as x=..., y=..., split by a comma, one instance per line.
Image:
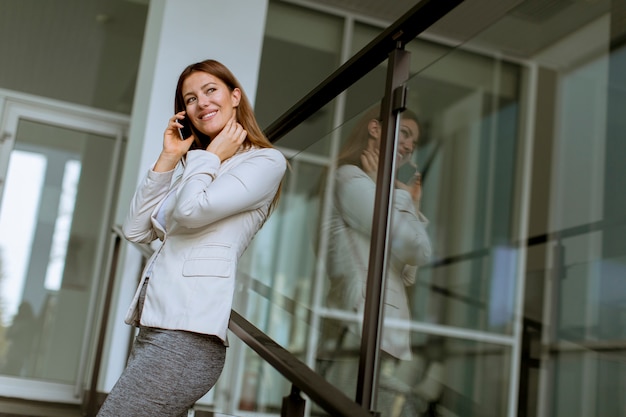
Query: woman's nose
x=203, y=101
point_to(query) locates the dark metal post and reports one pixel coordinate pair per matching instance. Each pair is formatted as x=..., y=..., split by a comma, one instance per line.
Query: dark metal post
x=293, y=404
x=392, y=105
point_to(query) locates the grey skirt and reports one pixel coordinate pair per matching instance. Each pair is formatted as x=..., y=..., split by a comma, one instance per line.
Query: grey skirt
x=167, y=372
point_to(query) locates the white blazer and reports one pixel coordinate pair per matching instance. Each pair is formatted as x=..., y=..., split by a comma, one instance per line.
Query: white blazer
x=350, y=228
x=205, y=218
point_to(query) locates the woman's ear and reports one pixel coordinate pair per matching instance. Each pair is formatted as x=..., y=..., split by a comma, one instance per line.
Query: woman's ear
x=373, y=128
x=235, y=97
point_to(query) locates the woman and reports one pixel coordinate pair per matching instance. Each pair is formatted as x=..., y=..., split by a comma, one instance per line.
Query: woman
x=228, y=183
x=350, y=228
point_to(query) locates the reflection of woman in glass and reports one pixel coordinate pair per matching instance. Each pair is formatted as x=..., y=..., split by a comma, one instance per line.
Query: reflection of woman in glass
x=350, y=233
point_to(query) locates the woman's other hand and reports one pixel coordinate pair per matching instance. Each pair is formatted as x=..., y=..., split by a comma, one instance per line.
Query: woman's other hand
x=369, y=162
x=228, y=141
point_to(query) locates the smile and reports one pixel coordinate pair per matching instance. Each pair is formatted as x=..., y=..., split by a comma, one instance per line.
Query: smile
x=208, y=115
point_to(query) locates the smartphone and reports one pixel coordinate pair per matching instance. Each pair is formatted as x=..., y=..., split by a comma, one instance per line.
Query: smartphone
x=184, y=131
x=407, y=173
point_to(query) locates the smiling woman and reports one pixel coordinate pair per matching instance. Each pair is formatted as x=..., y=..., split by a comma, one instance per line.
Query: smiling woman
x=205, y=198
x=209, y=102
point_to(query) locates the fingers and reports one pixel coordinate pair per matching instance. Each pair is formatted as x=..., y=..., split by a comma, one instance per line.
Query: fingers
x=234, y=131
x=369, y=162
x=228, y=141
x=239, y=134
x=174, y=123
x=175, y=120
x=173, y=144
x=370, y=158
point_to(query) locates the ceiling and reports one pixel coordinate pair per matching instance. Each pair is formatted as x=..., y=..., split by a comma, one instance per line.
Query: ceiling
x=524, y=29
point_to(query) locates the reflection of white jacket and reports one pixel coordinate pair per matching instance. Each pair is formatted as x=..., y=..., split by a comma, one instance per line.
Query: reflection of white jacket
x=206, y=219
x=348, y=255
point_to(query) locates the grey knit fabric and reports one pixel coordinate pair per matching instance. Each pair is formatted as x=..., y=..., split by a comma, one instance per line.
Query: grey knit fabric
x=167, y=372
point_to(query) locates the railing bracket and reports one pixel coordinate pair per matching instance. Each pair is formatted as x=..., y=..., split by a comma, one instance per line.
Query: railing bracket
x=399, y=99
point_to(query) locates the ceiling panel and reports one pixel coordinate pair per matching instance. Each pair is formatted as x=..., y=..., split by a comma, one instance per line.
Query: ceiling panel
x=518, y=28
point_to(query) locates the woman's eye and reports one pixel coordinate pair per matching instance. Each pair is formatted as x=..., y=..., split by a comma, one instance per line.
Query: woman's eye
x=210, y=90
x=190, y=100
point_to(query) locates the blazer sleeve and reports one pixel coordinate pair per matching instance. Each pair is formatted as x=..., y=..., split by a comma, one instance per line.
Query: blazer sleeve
x=204, y=197
x=354, y=196
x=138, y=225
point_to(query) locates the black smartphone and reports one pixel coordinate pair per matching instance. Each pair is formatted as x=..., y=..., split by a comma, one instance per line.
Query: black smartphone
x=184, y=131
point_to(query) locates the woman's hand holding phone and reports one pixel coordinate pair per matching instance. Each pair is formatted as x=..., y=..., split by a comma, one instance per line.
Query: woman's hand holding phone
x=173, y=147
x=184, y=130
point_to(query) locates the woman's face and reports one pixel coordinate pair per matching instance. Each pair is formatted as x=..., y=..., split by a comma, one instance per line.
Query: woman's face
x=407, y=139
x=208, y=102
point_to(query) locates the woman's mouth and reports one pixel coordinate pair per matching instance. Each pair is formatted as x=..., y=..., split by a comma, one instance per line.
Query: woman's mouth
x=208, y=115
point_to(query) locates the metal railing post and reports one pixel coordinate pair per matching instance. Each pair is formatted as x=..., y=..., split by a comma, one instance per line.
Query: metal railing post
x=393, y=103
x=293, y=404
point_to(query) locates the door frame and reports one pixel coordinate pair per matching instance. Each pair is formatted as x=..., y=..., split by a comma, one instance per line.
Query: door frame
x=14, y=107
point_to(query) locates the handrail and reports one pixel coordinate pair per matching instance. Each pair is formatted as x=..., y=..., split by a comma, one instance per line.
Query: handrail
x=419, y=18
x=297, y=372
x=543, y=238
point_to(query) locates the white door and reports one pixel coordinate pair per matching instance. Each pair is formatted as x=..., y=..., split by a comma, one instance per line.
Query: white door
x=58, y=174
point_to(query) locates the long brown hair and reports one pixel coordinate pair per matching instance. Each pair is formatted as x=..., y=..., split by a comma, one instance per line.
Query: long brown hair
x=245, y=114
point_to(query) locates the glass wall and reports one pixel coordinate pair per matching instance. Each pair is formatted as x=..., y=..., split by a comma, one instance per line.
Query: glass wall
x=518, y=308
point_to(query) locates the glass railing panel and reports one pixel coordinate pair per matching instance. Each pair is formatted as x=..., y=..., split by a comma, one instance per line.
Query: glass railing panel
x=576, y=366
x=476, y=111
x=446, y=376
x=293, y=63
x=467, y=105
x=284, y=275
x=572, y=64
x=597, y=286
x=303, y=277
x=259, y=390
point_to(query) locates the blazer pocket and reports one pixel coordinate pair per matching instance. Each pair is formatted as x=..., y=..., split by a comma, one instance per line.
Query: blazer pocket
x=209, y=261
